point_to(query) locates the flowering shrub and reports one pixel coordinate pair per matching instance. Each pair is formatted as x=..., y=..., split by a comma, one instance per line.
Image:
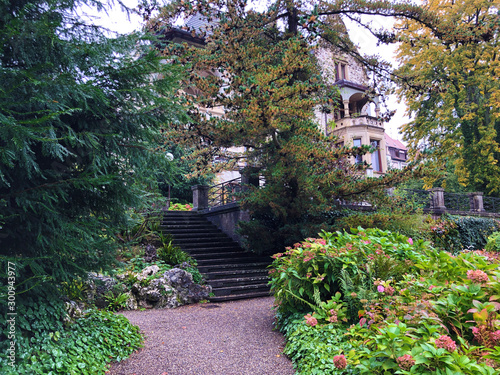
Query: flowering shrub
x=316, y=269
x=180, y=207
x=405, y=307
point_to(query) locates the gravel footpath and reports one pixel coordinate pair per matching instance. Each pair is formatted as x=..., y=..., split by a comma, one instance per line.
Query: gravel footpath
x=230, y=338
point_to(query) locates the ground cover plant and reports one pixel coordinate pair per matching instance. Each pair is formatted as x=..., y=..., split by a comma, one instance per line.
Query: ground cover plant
x=49, y=342
x=377, y=302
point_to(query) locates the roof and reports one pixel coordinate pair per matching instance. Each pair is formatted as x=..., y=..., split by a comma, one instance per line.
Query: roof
x=199, y=23
x=394, y=143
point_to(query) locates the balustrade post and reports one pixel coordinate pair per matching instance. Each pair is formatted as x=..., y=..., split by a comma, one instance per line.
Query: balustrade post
x=437, y=200
x=200, y=197
x=250, y=176
x=476, y=201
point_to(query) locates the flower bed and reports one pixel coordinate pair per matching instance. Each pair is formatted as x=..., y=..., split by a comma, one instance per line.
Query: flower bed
x=381, y=303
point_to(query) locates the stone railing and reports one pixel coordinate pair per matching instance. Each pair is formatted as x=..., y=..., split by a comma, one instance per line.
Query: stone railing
x=437, y=201
x=360, y=120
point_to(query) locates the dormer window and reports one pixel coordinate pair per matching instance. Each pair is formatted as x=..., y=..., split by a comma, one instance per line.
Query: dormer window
x=340, y=71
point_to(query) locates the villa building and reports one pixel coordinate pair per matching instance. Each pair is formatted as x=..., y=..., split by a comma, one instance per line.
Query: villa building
x=355, y=122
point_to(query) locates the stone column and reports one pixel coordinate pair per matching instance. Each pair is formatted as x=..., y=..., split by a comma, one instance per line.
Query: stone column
x=250, y=176
x=346, y=108
x=200, y=197
x=476, y=201
x=437, y=196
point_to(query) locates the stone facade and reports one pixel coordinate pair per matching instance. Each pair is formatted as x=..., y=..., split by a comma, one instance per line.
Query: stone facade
x=357, y=121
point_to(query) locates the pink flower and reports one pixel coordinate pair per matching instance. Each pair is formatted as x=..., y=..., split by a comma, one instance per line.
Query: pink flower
x=405, y=362
x=381, y=289
x=339, y=361
x=367, y=242
x=334, y=317
x=310, y=320
x=410, y=241
x=477, y=276
x=446, y=342
x=389, y=290
x=495, y=336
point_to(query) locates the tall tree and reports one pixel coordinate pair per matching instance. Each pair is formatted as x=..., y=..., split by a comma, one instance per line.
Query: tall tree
x=258, y=76
x=451, y=84
x=80, y=119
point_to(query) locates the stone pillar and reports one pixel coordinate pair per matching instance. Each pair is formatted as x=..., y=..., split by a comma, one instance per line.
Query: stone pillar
x=250, y=176
x=437, y=196
x=476, y=201
x=200, y=197
x=346, y=108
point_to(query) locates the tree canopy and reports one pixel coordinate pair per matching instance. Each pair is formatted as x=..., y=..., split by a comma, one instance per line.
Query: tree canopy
x=450, y=83
x=254, y=83
x=80, y=125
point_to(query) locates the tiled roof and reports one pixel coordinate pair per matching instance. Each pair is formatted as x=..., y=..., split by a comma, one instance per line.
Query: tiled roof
x=199, y=22
x=394, y=143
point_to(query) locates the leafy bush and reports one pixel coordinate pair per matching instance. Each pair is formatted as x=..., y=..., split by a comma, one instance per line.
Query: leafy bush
x=180, y=207
x=45, y=344
x=455, y=233
x=314, y=270
x=493, y=242
x=312, y=349
x=415, y=225
x=171, y=254
x=440, y=316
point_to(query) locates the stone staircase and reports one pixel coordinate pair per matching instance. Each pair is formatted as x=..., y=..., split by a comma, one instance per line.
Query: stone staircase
x=232, y=272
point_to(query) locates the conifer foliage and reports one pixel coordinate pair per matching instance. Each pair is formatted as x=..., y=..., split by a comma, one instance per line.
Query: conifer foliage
x=80, y=117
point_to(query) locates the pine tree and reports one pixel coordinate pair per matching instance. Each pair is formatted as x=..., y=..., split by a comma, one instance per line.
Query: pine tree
x=81, y=121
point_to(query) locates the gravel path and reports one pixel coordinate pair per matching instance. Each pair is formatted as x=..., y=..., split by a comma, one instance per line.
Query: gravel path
x=230, y=338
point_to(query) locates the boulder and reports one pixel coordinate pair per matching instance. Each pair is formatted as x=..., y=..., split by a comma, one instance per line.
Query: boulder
x=148, y=271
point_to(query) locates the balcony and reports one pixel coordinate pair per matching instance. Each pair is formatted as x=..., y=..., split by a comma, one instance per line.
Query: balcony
x=359, y=121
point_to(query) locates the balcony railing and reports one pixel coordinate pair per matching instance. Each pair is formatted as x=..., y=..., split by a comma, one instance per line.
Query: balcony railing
x=224, y=193
x=359, y=120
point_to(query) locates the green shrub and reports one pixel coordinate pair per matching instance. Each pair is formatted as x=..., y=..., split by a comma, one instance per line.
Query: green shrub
x=312, y=349
x=180, y=207
x=171, y=254
x=493, y=242
x=440, y=316
x=415, y=225
x=456, y=233
x=316, y=269
x=46, y=345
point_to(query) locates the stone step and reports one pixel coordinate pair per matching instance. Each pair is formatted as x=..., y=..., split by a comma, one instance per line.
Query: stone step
x=193, y=233
x=210, y=268
x=222, y=262
x=242, y=289
x=219, y=255
x=231, y=273
x=240, y=296
x=237, y=281
x=187, y=246
x=226, y=248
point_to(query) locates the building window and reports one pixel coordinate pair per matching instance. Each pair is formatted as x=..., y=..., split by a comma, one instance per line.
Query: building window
x=356, y=142
x=376, y=161
x=340, y=71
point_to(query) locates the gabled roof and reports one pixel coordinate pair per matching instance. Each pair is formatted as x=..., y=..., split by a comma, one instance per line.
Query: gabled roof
x=394, y=143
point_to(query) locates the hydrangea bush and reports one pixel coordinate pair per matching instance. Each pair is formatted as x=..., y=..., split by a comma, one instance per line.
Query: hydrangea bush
x=398, y=305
